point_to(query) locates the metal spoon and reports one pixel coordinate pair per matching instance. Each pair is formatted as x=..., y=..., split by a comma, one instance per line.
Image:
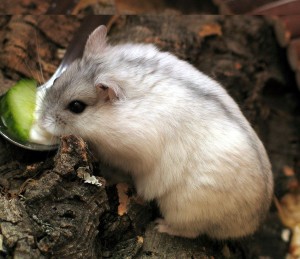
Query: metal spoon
x=74, y=50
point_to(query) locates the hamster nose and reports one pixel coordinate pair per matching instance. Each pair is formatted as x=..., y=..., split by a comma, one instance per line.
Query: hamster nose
x=59, y=120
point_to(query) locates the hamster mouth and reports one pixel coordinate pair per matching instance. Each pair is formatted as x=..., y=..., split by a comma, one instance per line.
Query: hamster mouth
x=41, y=135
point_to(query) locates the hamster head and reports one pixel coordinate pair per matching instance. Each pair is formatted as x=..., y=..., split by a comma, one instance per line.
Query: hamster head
x=114, y=93
x=77, y=96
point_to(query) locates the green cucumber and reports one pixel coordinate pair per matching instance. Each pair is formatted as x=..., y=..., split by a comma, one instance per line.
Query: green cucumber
x=17, y=108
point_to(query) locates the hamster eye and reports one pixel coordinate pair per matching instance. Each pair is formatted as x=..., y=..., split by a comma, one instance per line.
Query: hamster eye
x=76, y=106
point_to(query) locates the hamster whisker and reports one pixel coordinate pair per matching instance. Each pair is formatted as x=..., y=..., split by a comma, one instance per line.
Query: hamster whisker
x=39, y=58
x=31, y=71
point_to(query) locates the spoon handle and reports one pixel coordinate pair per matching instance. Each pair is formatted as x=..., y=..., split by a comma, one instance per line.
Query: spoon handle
x=76, y=46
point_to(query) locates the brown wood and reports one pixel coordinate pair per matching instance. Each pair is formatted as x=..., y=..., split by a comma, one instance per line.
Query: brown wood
x=23, y=6
x=286, y=28
x=293, y=54
x=57, y=207
x=283, y=7
x=239, y=7
x=298, y=79
x=137, y=7
x=161, y=6
x=261, y=7
x=61, y=7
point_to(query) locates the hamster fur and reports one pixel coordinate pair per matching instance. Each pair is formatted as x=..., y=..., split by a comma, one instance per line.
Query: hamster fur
x=180, y=135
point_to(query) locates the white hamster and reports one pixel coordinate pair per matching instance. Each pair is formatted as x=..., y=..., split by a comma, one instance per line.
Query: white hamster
x=180, y=135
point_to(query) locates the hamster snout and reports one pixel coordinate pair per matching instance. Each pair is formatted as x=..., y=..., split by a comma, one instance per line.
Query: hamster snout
x=177, y=131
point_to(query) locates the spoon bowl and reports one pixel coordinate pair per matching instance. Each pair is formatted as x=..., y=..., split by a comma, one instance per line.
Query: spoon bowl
x=24, y=144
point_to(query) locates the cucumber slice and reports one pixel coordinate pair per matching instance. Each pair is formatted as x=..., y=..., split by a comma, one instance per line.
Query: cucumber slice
x=18, y=107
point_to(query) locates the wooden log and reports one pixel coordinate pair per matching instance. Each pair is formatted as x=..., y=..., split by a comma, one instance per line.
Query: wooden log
x=260, y=7
x=283, y=7
x=58, y=212
x=23, y=7
x=61, y=7
x=286, y=27
x=239, y=7
x=298, y=79
x=23, y=44
x=293, y=54
x=139, y=7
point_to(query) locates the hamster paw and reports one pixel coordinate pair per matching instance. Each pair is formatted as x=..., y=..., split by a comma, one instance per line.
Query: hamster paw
x=163, y=227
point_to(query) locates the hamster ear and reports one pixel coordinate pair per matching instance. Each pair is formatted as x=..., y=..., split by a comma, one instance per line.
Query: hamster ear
x=107, y=94
x=96, y=42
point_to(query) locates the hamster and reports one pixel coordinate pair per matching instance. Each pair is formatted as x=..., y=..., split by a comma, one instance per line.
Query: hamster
x=183, y=139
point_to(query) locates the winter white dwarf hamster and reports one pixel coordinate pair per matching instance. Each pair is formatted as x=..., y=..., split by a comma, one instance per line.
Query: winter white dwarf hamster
x=177, y=131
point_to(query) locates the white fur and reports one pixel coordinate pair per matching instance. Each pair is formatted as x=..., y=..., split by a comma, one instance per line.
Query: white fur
x=197, y=156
